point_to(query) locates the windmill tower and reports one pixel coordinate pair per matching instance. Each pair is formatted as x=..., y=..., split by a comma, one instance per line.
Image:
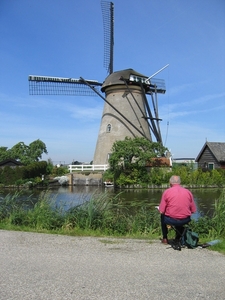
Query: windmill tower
x=126, y=112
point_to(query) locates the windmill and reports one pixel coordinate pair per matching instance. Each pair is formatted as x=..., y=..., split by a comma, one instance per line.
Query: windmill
x=126, y=112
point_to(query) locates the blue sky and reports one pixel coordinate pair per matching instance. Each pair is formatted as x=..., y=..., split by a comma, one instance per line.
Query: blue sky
x=64, y=38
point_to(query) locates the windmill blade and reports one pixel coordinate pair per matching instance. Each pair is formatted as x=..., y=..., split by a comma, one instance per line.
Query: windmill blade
x=108, y=25
x=46, y=85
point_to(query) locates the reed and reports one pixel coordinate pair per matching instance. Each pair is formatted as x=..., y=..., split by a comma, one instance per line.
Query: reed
x=103, y=214
x=42, y=215
x=218, y=219
x=212, y=227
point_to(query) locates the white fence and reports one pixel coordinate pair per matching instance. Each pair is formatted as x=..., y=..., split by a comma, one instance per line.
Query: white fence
x=75, y=168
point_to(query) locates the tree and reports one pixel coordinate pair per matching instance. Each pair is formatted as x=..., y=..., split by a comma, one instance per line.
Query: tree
x=20, y=152
x=135, y=152
x=25, y=154
x=4, y=153
x=129, y=157
x=36, y=149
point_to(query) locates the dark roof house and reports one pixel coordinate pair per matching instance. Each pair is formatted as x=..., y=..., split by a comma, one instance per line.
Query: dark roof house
x=10, y=162
x=212, y=156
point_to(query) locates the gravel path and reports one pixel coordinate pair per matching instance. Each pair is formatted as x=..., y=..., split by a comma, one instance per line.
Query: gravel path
x=43, y=266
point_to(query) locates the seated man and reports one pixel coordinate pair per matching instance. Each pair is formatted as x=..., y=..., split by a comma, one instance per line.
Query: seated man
x=176, y=206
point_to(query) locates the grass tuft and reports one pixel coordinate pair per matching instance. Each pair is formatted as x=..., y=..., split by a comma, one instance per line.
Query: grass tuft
x=103, y=215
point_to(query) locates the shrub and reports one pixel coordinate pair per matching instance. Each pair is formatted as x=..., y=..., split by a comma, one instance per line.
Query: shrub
x=103, y=213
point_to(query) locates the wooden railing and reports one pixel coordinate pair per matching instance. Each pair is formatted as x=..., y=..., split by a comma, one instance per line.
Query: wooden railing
x=75, y=168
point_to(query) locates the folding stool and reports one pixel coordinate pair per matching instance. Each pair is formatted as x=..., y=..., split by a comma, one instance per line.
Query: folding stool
x=178, y=244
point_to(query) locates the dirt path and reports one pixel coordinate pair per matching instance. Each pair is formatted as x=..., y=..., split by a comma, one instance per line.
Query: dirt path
x=43, y=266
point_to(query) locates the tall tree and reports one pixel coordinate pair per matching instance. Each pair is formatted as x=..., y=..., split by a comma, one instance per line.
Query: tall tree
x=20, y=152
x=4, y=153
x=36, y=149
x=129, y=158
x=25, y=154
x=135, y=152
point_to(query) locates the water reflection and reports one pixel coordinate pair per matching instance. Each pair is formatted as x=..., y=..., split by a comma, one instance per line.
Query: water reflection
x=205, y=199
x=67, y=197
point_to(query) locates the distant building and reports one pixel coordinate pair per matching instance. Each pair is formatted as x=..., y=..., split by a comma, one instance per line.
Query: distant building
x=212, y=156
x=185, y=161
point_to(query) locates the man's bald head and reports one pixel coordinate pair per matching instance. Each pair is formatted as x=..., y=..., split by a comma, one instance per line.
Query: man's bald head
x=175, y=180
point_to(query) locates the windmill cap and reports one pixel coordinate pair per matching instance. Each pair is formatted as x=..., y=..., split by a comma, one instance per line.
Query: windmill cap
x=115, y=78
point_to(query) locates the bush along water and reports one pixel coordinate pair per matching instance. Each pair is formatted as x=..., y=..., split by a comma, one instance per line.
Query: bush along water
x=103, y=214
x=211, y=230
x=190, y=177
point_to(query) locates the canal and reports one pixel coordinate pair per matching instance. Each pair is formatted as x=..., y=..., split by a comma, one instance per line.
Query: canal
x=70, y=196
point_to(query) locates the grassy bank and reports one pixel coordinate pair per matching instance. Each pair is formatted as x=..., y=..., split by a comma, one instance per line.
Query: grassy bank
x=103, y=215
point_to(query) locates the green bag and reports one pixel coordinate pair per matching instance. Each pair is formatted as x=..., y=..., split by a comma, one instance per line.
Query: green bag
x=190, y=239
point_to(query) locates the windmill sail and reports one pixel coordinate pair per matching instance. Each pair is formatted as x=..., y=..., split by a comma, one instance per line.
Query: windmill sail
x=108, y=24
x=46, y=85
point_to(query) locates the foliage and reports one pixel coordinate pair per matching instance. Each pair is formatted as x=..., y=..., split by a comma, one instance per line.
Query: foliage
x=9, y=176
x=218, y=218
x=158, y=176
x=50, y=167
x=212, y=226
x=199, y=177
x=102, y=215
x=129, y=158
x=59, y=171
x=43, y=215
x=91, y=214
x=4, y=153
x=35, y=169
x=25, y=154
x=8, y=204
x=202, y=226
x=108, y=175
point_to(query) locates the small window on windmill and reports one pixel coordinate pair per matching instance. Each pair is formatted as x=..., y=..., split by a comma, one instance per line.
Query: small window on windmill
x=108, y=128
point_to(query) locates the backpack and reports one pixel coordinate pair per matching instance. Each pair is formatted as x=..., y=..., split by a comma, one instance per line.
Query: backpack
x=190, y=239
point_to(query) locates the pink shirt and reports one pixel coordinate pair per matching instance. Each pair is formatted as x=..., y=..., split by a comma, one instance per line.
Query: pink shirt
x=177, y=202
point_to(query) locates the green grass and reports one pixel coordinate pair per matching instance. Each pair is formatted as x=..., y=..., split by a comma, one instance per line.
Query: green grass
x=103, y=216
